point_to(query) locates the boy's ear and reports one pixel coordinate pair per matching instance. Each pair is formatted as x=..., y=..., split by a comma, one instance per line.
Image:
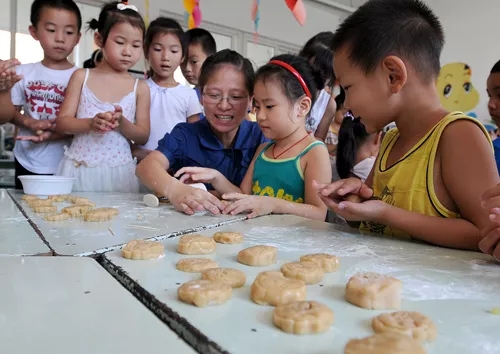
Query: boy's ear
x=395, y=71
x=98, y=39
x=32, y=30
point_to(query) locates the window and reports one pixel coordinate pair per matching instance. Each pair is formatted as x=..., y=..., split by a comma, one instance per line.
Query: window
x=5, y=31
x=28, y=50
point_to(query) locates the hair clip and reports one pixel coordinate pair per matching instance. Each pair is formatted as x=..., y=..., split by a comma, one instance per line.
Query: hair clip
x=123, y=6
x=349, y=114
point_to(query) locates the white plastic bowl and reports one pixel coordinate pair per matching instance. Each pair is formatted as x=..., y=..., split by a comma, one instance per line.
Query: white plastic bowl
x=47, y=185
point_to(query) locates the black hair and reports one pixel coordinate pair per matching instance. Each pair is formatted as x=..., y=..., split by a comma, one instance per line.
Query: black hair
x=319, y=54
x=69, y=5
x=405, y=28
x=339, y=99
x=110, y=16
x=288, y=82
x=96, y=57
x=496, y=68
x=352, y=134
x=203, y=38
x=164, y=25
x=227, y=57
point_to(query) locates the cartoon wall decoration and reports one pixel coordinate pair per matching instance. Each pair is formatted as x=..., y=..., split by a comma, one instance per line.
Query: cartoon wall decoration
x=455, y=88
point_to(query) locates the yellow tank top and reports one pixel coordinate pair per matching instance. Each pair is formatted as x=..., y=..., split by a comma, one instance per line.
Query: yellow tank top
x=409, y=183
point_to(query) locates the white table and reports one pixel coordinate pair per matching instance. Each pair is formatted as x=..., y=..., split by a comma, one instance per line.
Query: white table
x=454, y=288
x=61, y=305
x=135, y=221
x=17, y=236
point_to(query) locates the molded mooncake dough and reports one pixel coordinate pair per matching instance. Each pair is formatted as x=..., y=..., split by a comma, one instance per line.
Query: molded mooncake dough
x=258, y=256
x=234, y=277
x=195, y=245
x=100, y=214
x=195, y=265
x=328, y=262
x=308, y=272
x=303, y=317
x=56, y=217
x=272, y=288
x=374, y=291
x=410, y=323
x=203, y=293
x=228, y=237
x=142, y=249
x=385, y=343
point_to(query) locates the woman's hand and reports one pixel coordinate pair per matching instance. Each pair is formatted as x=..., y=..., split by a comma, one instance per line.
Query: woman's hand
x=197, y=175
x=190, y=200
x=256, y=205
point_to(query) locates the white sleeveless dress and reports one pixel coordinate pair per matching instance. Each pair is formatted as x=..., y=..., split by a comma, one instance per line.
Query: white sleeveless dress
x=101, y=162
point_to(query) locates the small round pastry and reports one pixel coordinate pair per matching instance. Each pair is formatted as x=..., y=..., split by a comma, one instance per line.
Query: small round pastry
x=353, y=198
x=303, y=317
x=151, y=200
x=258, y=256
x=142, y=250
x=203, y=293
x=195, y=244
x=195, y=265
x=374, y=291
x=56, y=217
x=45, y=209
x=273, y=288
x=410, y=323
x=228, y=237
x=328, y=262
x=234, y=277
x=308, y=272
x=384, y=343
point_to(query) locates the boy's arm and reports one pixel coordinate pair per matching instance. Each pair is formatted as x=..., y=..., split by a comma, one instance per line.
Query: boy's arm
x=468, y=169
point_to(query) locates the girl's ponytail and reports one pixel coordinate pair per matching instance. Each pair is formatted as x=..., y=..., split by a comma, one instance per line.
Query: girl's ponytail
x=352, y=134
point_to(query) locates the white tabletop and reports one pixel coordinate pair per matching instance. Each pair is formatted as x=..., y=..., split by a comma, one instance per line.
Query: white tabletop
x=456, y=289
x=61, y=305
x=135, y=221
x=17, y=236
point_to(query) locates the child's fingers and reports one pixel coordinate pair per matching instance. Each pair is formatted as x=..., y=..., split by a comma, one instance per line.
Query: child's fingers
x=490, y=203
x=491, y=193
x=490, y=244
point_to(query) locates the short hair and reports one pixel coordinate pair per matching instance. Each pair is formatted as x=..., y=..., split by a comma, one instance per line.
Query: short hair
x=405, y=28
x=496, y=68
x=69, y=5
x=203, y=38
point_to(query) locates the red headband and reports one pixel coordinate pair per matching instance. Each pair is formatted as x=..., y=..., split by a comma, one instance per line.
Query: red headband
x=295, y=73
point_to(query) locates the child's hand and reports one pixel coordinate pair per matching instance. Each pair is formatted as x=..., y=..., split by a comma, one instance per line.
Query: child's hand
x=102, y=123
x=490, y=244
x=41, y=136
x=256, y=205
x=491, y=203
x=338, y=191
x=8, y=75
x=117, y=117
x=36, y=125
x=197, y=175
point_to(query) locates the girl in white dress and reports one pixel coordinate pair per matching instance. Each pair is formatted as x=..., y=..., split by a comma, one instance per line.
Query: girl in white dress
x=106, y=109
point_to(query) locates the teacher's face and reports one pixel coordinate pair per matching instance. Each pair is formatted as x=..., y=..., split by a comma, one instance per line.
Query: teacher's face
x=225, y=99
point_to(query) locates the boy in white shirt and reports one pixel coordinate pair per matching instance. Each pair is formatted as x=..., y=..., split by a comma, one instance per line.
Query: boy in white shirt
x=56, y=24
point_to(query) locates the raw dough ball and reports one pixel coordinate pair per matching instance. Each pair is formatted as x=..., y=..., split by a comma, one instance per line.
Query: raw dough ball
x=100, y=214
x=308, y=272
x=45, y=209
x=353, y=198
x=77, y=210
x=374, y=291
x=234, y=277
x=328, y=262
x=195, y=245
x=412, y=324
x=258, y=256
x=151, y=200
x=142, y=249
x=27, y=197
x=228, y=237
x=303, y=317
x=384, y=343
x=195, y=265
x=272, y=288
x=39, y=132
x=203, y=293
x=56, y=217
x=40, y=202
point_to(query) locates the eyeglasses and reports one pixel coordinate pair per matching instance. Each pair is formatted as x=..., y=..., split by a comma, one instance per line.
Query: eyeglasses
x=216, y=99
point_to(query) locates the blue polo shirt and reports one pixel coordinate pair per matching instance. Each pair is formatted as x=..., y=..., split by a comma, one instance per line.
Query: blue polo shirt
x=195, y=145
x=198, y=93
x=496, y=148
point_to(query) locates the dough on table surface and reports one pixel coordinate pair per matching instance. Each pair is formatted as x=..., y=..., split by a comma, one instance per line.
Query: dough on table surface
x=40, y=202
x=374, y=291
x=328, y=262
x=308, y=272
x=228, y=237
x=353, y=198
x=27, y=197
x=143, y=249
x=273, y=288
x=258, y=256
x=80, y=201
x=100, y=214
x=303, y=317
x=58, y=198
x=77, y=210
x=195, y=265
x=385, y=343
x=203, y=293
x=410, y=323
x=44, y=209
x=195, y=244
x=151, y=200
x=56, y=217
x=234, y=277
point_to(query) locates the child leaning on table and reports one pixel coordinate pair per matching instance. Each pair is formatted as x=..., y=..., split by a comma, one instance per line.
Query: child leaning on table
x=434, y=166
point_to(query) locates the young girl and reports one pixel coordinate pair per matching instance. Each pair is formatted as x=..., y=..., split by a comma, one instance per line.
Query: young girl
x=105, y=108
x=281, y=173
x=357, y=150
x=332, y=138
x=171, y=102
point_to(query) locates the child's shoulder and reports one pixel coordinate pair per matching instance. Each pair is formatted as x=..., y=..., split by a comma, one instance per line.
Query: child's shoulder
x=458, y=127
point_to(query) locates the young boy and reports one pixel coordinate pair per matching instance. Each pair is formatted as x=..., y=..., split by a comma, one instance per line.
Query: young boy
x=493, y=89
x=201, y=44
x=433, y=167
x=56, y=24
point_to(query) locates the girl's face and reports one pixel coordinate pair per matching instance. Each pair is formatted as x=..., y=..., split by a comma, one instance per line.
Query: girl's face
x=225, y=99
x=123, y=46
x=277, y=117
x=165, y=54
